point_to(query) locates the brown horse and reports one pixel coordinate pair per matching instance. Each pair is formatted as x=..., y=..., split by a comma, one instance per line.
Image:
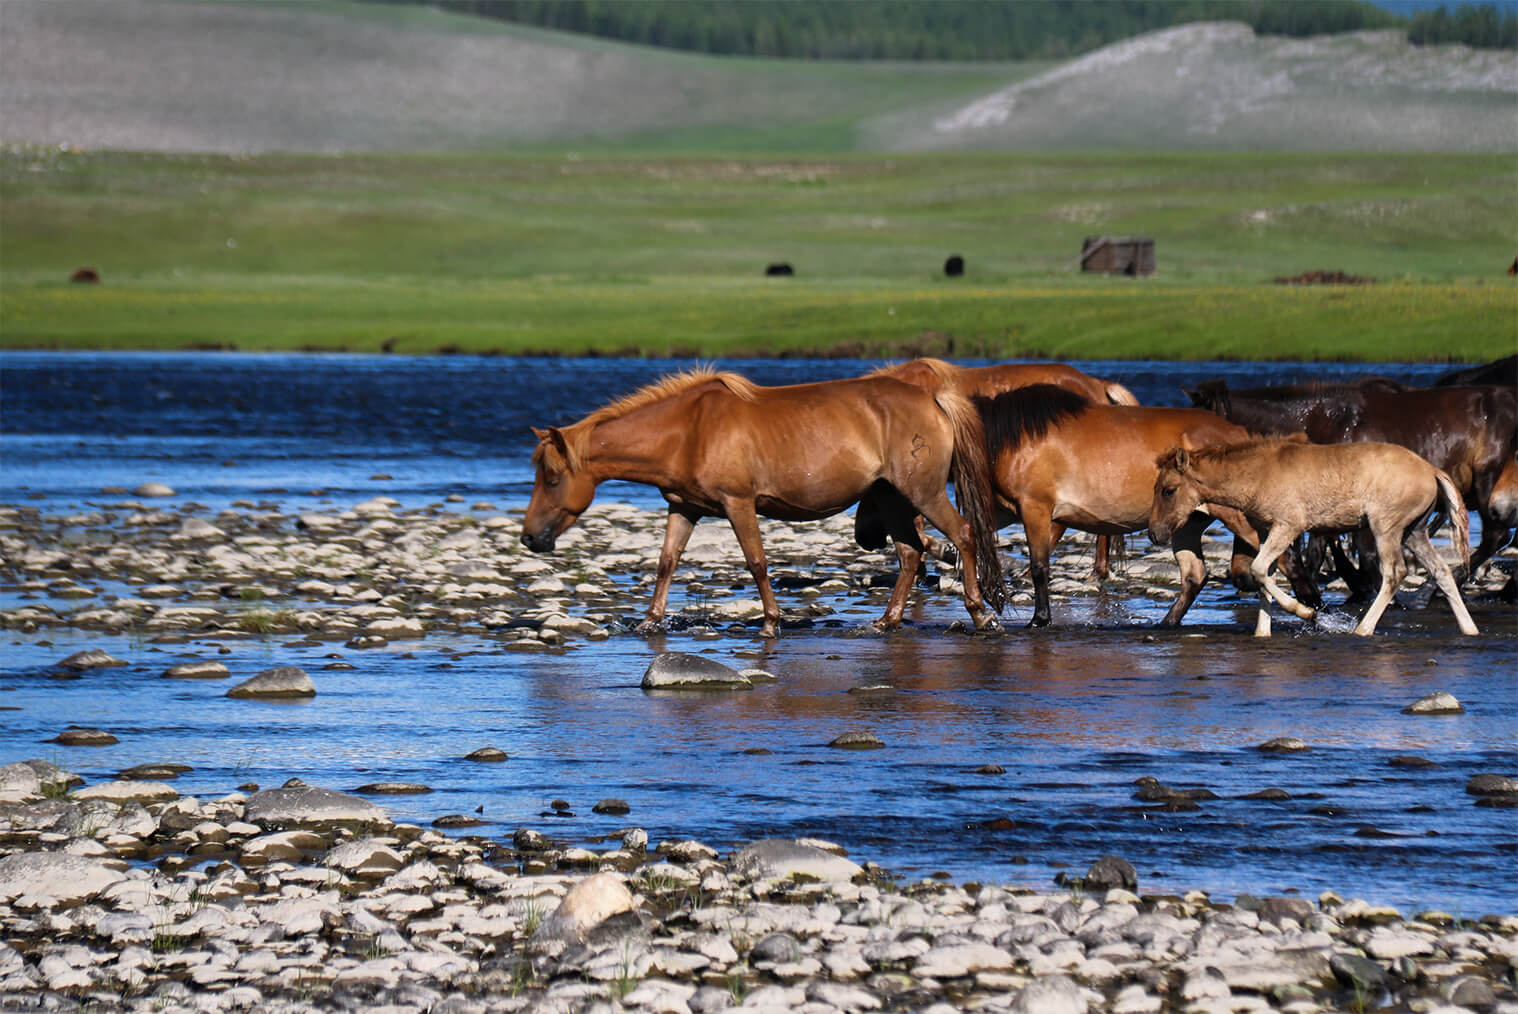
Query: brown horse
x=988, y=382
x=1058, y=461
x=718, y=445
x=1289, y=487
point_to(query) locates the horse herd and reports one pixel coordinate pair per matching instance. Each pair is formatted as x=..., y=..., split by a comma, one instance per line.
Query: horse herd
x=1055, y=448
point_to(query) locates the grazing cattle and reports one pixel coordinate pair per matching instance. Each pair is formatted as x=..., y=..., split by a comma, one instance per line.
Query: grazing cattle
x=1286, y=487
x=718, y=445
x=1059, y=461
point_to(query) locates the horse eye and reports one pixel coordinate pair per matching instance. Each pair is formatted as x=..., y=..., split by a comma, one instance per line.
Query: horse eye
x=1168, y=492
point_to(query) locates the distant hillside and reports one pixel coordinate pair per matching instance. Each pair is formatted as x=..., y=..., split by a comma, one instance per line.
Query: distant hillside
x=911, y=29
x=334, y=76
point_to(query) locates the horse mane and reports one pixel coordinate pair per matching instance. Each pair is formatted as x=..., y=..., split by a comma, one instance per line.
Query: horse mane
x=945, y=373
x=577, y=436
x=1216, y=453
x=1026, y=413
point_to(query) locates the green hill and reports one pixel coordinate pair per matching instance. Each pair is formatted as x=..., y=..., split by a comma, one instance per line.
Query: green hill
x=332, y=76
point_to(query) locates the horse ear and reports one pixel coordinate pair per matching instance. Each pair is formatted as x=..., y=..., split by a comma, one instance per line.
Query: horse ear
x=559, y=443
x=542, y=435
x=1182, y=460
x=1195, y=396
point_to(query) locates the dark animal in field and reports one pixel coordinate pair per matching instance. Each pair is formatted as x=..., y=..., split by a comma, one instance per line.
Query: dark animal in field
x=1060, y=461
x=780, y=270
x=1471, y=433
x=86, y=275
x=1287, y=486
x=988, y=381
x=718, y=445
x=954, y=266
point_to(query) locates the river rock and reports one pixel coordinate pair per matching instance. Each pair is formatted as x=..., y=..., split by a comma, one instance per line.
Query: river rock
x=206, y=670
x=55, y=879
x=585, y=906
x=1283, y=744
x=857, y=740
x=487, y=755
x=153, y=489
x=613, y=807
x=19, y=782
x=285, y=681
x=1438, y=703
x=302, y=804
x=678, y=670
x=93, y=658
x=127, y=792
x=153, y=772
x=367, y=857
x=1492, y=785
x=1109, y=872
x=393, y=789
x=193, y=529
x=84, y=737
x=778, y=858
x=1051, y=994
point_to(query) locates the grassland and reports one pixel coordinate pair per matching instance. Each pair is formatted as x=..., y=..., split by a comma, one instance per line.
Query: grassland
x=621, y=254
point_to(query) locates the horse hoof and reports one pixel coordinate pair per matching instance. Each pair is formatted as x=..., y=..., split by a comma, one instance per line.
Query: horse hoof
x=1038, y=621
x=991, y=625
x=650, y=627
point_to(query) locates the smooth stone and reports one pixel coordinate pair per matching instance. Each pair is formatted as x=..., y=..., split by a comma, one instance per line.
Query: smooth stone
x=857, y=741
x=1111, y=871
x=1438, y=703
x=679, y=670
x=19, y=782
x=778, y=858
x=197, y=671
x=153, y=489
x=153, y=772
x=306, y=804
x=285, y=681
x=84, y=737
x=487, y=755
x=194, y=528
x=394, y=789
x=614, y=807
x=127, y=792
x=93, y=658
x=53, y=879
x=1283, y=744
x=1488, y=784
x=585, y=905
x=365, y=858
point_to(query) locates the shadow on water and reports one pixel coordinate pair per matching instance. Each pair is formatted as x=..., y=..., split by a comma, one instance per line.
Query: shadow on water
x=1005, y=758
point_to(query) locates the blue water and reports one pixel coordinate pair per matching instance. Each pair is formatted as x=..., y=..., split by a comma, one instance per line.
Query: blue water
x=1074, y=714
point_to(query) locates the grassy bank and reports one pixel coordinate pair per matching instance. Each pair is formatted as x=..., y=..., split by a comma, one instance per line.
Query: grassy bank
x=652, y=254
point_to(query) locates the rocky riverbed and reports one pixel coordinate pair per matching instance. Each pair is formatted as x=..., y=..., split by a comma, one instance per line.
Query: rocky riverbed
x=168, y=570
x=125, y=895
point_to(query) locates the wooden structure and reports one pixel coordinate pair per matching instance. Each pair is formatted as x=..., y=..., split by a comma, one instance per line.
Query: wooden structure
x=1108, y=256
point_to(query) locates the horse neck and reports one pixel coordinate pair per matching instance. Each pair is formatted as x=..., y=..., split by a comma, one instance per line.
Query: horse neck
x=1233, y=482
x=638, y=446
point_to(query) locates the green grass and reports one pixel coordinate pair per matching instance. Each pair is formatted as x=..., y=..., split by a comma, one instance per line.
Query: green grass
x=656, y=254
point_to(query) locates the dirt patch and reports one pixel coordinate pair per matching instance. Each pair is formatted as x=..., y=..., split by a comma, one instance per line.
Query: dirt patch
x=1324, y=278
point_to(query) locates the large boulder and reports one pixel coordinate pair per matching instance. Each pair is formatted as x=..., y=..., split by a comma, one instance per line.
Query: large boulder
x=679, y=670
x=585, y=906
x=296, y=804
x=285, y=681
x=55, y=879
x=19, y=782
x=778, y=858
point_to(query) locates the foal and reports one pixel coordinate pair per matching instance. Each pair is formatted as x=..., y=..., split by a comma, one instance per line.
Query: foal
x=1289, y=487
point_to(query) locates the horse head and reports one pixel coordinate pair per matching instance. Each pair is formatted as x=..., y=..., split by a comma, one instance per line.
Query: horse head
x=1211, y=395
x=1176, y=495
x=560, y=494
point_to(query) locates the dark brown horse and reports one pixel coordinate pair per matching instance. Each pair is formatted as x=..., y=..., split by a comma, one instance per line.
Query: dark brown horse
x=718, y=445
x=1471, y=433
x=1058, y=461
x=987, y=382
x=1287, y=486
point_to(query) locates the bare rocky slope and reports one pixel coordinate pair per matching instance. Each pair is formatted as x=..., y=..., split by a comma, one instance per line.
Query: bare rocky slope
x=190, y=75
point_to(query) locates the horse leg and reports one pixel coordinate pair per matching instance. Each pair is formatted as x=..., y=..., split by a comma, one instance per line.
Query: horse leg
x=1276, y=543
x=1393, y=570
x=1042, y=532
x=1186, y=544
x=677, y=528
x=1423, y=551
x=942, y=515
x=1494, y=535
x=1101, y=565
x=745, y=521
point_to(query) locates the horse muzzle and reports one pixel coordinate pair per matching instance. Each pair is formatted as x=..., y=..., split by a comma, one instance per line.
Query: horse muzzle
x=540, y=541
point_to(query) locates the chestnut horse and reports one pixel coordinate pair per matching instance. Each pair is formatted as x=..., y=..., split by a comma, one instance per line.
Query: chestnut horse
x=1058, y=461
x=718, y=445
x=1288, y=487
x=987, y=382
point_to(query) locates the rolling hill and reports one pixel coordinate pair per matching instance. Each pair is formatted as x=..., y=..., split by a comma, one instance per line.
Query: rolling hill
x=332, y=77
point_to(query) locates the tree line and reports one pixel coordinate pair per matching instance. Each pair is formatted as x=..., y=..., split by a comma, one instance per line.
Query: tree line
x=959, y=30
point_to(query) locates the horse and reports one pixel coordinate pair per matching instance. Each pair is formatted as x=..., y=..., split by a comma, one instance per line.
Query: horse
x=989, y=381
x=1286, y=486
x=1502, y=371
x=1060, y=461
x=718, y=445
x=1471, y=433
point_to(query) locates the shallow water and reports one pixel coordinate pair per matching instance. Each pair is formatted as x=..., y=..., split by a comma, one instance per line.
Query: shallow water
x=1074, y=714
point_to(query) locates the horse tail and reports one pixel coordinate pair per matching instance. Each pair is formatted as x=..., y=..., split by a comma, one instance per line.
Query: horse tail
x=1453, y=505
x=970, y=471
x=1117, y=394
